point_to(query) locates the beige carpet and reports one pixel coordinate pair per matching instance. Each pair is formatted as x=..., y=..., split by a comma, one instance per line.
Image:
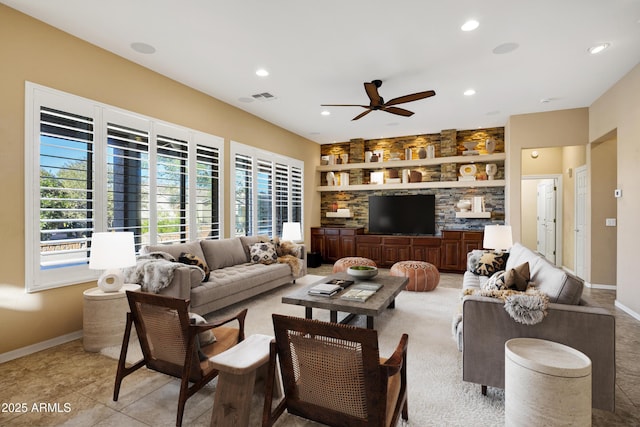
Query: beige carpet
x=436, y=394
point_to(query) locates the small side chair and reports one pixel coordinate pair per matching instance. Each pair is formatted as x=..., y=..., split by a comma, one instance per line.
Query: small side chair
x=170, y=342
x=333, y=374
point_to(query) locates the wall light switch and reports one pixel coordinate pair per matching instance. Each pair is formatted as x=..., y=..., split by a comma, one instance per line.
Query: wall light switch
x=617, y=192
x=610, y=222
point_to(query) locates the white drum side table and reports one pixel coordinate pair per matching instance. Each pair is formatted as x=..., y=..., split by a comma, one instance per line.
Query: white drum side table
x=104, y=317
x=546, y=383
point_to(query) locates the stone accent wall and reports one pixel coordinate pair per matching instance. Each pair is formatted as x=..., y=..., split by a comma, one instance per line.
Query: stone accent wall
x=447, y=143
x=446, y=199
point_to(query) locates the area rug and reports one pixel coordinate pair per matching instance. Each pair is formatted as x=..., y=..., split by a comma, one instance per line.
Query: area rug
x=437, y=396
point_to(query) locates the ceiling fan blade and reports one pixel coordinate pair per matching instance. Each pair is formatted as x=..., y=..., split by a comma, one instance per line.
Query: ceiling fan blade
x=409, y=98
x=344, y=105
x=398, y=111
x=372, y=93
x=362, y=115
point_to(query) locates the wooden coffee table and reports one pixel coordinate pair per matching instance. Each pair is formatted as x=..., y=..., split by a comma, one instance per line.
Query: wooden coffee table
x=384, y=298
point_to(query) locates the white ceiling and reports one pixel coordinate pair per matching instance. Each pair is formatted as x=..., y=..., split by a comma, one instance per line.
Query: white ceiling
x=320, y=52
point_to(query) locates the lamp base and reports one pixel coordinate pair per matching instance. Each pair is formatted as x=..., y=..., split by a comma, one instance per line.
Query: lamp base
x=111, y=280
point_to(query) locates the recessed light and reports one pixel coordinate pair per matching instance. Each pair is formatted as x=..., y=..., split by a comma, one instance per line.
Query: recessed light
x=261, y=72
x=325, y=113
x=145, y=48
x=470, y=25
x=598, y=48
x=469, y=92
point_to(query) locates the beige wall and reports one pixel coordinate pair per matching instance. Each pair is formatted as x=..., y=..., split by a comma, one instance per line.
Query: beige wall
x=619, y=110
x=550, y=134
x=33, y=51
x=603, y=169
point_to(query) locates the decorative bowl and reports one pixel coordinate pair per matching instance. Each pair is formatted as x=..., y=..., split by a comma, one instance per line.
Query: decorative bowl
x=362, y=271
x=470, y=145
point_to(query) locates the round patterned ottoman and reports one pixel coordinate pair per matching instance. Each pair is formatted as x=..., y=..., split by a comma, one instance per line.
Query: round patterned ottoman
x=344, y=263
x=423, y=277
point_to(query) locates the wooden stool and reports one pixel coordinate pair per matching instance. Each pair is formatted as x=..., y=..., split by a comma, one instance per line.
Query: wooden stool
x=238, y=368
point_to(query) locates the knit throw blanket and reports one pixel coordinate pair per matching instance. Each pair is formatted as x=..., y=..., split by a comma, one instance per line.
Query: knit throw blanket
x=152, y=272
x=528, y=307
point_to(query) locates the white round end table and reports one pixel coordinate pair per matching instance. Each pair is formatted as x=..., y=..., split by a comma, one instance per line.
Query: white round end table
x=104, y=317
x=546, y=383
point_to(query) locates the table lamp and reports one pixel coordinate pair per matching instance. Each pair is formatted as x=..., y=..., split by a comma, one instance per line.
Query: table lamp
x=497, y=237
x=111, y=252
x=292, y=231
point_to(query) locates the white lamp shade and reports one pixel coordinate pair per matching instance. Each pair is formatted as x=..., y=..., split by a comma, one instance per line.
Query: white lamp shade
x=497, y=237
x=112, y=250
x=292, y=231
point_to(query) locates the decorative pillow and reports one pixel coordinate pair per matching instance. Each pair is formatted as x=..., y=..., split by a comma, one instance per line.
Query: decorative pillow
x=473, y=258
x=191, y=259
x=490, y=262
x=495, y=283
x=206, y=337
x=263, y=253
x=518, y=277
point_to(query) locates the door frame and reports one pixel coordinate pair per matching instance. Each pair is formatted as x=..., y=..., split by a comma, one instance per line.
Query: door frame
x=559, y=202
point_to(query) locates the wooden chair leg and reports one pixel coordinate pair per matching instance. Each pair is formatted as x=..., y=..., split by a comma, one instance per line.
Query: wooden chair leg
x=123, y=371
x=483, y=389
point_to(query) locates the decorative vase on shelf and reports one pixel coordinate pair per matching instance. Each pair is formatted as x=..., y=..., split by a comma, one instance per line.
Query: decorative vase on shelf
x=422, y=153
x=407, y=154
x=431, y=151
x=331, y=178
x=490, y=145
x=464, y=205
x=491, y=169
x=374, y=158
x=367, y=156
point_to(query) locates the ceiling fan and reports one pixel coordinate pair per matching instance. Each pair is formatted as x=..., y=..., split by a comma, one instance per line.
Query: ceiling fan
x=377, y=102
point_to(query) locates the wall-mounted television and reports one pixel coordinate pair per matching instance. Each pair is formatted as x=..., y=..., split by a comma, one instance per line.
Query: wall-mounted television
x=402, y=214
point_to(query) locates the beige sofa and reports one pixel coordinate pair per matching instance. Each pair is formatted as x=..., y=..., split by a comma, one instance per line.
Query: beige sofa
x=233, y=277
x=571, y=320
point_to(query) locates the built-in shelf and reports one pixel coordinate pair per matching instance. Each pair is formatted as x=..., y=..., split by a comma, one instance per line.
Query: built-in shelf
x=414, y=185
x=473, y=214
x=338, y=215
x=483, y=158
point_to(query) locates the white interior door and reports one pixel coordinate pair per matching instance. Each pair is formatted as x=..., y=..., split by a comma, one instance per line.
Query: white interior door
x=547, y=219
x=580, y=221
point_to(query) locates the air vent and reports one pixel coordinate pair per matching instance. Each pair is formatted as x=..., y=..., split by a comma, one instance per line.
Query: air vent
x=264, y=96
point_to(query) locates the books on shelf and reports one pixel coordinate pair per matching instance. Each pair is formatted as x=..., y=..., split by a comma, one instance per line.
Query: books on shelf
x=361, y=292
x=330, y=288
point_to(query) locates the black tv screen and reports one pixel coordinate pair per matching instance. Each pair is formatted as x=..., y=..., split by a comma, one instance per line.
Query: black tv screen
x=402, y=214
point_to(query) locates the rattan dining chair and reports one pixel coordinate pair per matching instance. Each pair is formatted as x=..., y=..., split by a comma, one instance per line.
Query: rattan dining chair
x=170, y=342
x=333, y=374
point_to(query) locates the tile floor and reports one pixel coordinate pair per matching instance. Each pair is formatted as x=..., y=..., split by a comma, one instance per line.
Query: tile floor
x=65, y=385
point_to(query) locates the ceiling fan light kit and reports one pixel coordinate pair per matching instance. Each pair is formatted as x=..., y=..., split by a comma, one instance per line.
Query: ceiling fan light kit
x=378, y=103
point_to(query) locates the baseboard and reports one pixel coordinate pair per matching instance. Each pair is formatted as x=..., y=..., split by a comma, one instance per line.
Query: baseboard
x=627, y=310
x=600, y=286
x=34, y=348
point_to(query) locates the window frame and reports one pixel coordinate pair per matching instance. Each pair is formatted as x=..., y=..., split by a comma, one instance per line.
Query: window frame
x=37, y=96
x=258, y=156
